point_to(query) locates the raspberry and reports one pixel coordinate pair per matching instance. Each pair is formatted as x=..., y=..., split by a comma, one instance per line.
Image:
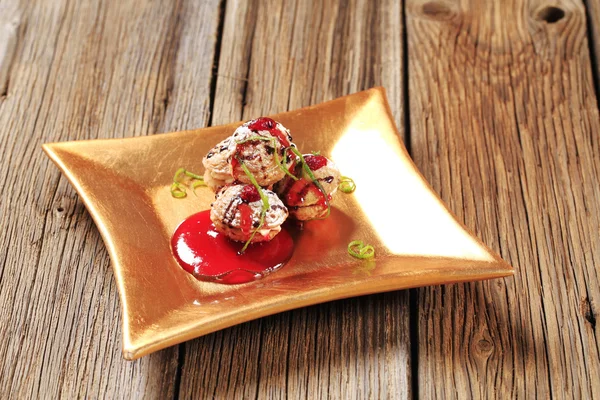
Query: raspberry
x=249, y=194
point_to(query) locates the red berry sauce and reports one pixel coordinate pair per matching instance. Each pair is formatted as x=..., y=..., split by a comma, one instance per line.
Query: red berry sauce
x=267, y=124
x=315, y=162
x=211, y=256
x=297, y=193
x=262, y=124
x=245, y=218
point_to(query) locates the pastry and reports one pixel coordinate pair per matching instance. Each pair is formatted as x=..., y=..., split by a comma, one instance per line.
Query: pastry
x=262, y=146
x=305, y=199
x=238, y=210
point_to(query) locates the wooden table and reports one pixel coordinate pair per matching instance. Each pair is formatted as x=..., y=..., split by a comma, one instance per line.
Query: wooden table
x=498, y=106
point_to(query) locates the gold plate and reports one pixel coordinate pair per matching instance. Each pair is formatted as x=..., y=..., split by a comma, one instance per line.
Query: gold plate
x=124, y=184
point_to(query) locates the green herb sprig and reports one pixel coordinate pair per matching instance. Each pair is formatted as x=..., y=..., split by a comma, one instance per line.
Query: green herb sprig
x=178, y=188
x=358, y=249
x=347, y=184
x=263, y=197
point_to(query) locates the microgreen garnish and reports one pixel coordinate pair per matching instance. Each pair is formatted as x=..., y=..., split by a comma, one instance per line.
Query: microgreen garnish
x=315, y=153
x=273, y=141
x=178, y=188
x=347, y=184
x=358, y=249
x=314, y=180
x=263, y=197
x=197, y=184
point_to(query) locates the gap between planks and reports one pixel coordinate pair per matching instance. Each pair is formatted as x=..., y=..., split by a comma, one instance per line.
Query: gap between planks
x=592, y=14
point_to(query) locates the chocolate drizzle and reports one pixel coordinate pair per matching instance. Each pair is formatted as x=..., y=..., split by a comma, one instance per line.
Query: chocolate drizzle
x=229, y=214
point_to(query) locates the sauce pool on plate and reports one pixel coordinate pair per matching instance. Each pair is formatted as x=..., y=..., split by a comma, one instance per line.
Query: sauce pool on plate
x=211, y=256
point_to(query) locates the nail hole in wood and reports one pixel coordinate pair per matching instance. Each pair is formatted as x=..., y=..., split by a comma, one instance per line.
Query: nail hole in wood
x=60, y=209
x=591, y=318
x=437, y=10
x=588, y=312
x=551, y=14
x=4, y=90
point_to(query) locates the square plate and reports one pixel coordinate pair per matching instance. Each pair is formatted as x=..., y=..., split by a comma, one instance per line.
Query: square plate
x=124, y=184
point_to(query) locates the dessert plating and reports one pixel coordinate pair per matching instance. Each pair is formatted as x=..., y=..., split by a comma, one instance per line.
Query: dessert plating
x=259, y=178
x=257, y=157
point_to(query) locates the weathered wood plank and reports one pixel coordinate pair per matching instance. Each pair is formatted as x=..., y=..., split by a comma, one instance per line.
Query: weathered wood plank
x=504, y=124
x=283, y=55
x=81, y=70
x=10, y=20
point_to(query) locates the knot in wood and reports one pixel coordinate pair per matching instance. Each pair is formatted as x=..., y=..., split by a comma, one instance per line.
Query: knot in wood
x=550, y=14
x=484, y=347
x=438, y=10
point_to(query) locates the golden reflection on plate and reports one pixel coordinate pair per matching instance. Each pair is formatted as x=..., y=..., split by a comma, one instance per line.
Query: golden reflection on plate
x=124, y=184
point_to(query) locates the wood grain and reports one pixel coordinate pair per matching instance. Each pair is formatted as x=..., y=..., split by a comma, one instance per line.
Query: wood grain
x=10, y=19
x=83, y=70
x=277, y=56
x=504, y=124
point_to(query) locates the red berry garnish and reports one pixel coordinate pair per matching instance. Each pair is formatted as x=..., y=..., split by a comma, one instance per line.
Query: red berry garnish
x=315, y=162
x=268, y=124
x=262, y=124
x=249, y=194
